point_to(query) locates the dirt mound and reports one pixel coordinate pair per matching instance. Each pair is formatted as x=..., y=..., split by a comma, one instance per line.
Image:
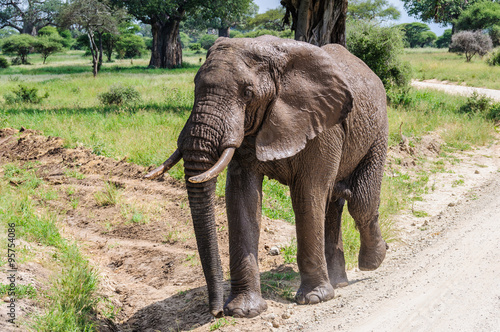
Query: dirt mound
x=142, y=240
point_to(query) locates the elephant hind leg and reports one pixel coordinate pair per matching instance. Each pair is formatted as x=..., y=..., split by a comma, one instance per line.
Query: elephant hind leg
x=363, y=206
x=334, y=247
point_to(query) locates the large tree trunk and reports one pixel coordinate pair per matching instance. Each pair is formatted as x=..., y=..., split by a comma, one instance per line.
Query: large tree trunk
x=318, y=22
x=167, y=50
x=224, y=32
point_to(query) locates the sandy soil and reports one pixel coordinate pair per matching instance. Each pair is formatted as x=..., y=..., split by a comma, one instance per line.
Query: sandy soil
x=441, y=275
x=456, y=89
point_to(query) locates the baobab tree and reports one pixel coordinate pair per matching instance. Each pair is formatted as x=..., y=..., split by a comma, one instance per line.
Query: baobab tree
x=318, y=22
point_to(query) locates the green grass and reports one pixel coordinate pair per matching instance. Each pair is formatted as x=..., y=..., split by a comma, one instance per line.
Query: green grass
x=71, y=302
x=22, y=291
x=444, y=66
x=278, y=284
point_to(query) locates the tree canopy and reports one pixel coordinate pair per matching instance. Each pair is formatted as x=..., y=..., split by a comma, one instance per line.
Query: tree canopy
x=28, y=16
x=418, y=34
x=483, y=15
x=372, y=10
x=438, y=11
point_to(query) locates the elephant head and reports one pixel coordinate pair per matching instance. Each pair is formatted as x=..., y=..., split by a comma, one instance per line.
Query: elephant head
x=283, y=92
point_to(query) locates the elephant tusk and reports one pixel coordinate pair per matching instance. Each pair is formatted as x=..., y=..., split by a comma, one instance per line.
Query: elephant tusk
x=168, y=164
x=216, y=169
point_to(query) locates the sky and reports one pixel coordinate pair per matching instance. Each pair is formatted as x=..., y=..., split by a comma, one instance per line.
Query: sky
x=264, y=5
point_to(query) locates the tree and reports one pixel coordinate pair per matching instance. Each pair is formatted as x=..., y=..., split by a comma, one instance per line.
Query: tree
x=470, y=43
x=270, y=20
x=223, y=14
x=47, y=45
x=318, y=22
x=444, y=41
x=484, y=15
x=438, y=11
x=129, y=46
x=20, y=45
x=418, y=34
x=28, y=16
x=372, y=10
x=94, y=17
x=164, y=18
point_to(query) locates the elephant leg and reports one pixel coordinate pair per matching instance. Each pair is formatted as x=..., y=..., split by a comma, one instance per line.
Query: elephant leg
x=363, y=206
x=309, y=205
x=243, y=203
x=334, y=246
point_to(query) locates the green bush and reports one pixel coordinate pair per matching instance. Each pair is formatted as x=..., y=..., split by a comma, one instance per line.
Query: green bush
x=4, y=63
x=476, y=104
x=47, y=45
x=130, y=46
x=494, y=112
x=19, y=45
x=493, y=58
x=118, y=95
x=381, y=48
x=206, y=41
x=24, y=94
x=195, y=47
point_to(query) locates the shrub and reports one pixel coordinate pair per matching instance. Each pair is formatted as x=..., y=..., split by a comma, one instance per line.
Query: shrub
x=4, y=63
x=47, y=45
x=470, y=43
x=206, y=41
x=476, y=104
x=195, y=47
x=19, y=45
x=494, y=112
x=130, y=46
x=381, y=49
x=493, y=58
x=24, y=94
x=118, y=95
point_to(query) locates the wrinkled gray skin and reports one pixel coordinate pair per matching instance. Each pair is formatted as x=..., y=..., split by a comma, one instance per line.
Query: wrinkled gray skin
x=313, y=119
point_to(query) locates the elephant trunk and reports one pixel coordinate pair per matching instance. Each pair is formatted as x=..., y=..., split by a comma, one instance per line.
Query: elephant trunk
x=201, y=201
x=199, y=143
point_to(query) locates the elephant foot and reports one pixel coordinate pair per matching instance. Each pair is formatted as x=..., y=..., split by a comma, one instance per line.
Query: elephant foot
x=370, y=257
x=309, y=295
x=338, y=279
x=246, y=305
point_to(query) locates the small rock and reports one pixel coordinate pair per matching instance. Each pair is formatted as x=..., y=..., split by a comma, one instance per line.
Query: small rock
x=451, y=204
x=276, y=323
x=476, y=172
x=6, y=299
x=274, y=251
x=287, y=314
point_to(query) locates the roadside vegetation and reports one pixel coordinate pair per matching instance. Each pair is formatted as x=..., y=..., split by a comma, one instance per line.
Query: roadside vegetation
x=134, y=112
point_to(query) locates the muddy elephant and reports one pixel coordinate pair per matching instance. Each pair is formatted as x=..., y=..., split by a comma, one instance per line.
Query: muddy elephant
x=312, y=118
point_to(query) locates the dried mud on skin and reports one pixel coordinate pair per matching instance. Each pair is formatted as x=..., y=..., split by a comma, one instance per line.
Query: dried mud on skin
x=149, y=267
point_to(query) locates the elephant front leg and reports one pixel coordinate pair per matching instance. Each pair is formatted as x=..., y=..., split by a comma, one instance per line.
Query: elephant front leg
x=309, y=208
x=243, y=203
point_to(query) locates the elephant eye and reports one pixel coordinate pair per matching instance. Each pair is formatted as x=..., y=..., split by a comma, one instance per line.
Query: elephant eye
x=248, y=93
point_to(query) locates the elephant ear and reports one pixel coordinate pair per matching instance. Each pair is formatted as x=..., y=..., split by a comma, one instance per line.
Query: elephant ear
x=312, y=96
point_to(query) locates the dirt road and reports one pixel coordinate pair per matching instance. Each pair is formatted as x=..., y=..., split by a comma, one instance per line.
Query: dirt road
x=453, y=284
x=456, y=89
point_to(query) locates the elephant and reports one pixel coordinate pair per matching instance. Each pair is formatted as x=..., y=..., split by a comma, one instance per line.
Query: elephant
x=313, y=118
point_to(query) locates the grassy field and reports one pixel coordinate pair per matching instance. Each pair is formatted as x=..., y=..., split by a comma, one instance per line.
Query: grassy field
x=430, y=63
x=146, y=132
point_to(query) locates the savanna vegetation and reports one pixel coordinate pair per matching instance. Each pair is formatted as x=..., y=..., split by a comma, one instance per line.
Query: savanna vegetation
x=133, y=105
